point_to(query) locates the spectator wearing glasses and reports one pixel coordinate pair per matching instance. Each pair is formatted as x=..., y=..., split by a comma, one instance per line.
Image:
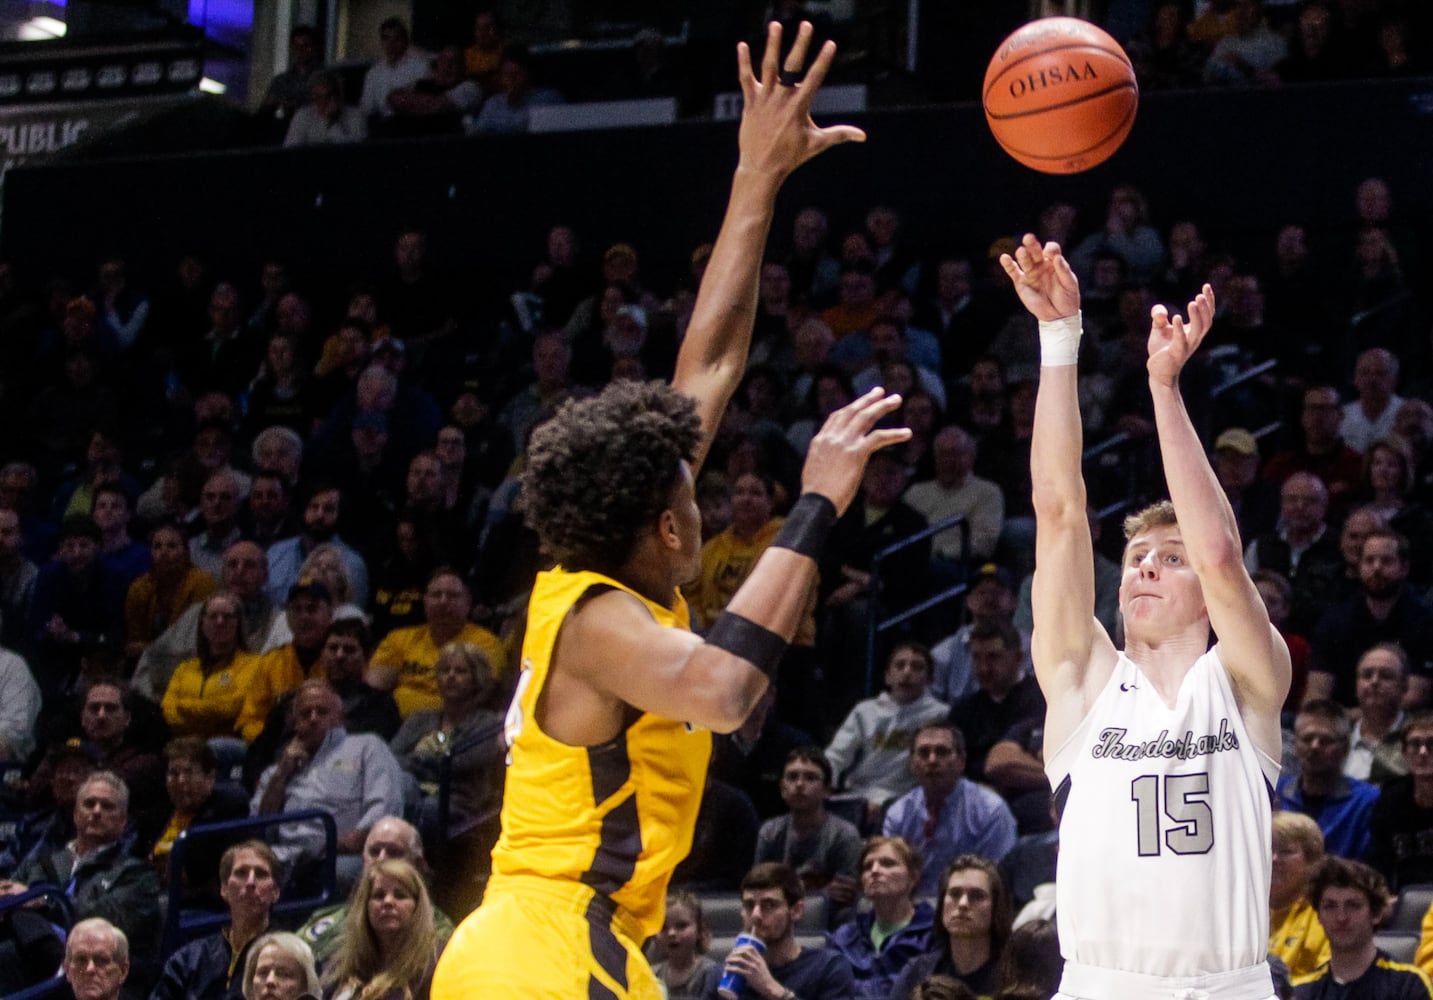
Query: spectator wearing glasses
x=96, y=960
x=219, y=511
x=206, y=694
x=196, y=799
x=1401, y=826
x=1339, y=804
x=948, y=814
x=344, y=658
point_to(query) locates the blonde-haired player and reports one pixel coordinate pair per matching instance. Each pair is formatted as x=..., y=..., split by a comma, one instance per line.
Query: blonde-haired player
x=1162, y=755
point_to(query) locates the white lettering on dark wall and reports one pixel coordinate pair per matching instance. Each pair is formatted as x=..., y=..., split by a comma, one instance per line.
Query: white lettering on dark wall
x=29, y=138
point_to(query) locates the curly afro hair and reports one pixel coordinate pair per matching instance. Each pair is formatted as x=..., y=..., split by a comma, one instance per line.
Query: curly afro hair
x=603, y=468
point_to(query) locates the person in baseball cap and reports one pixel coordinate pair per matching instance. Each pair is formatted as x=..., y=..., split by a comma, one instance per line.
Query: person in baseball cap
x=1236, y=466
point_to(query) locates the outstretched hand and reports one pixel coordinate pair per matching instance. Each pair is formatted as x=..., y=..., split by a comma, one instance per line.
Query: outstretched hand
x=1172, y=340
x=777, y=133
x=837, y=458
x=1043, y=279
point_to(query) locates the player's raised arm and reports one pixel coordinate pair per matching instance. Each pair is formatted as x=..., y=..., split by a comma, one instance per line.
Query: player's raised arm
x=1250, y=648
x=715, y=683
x=1063, y=591
x=777, y=135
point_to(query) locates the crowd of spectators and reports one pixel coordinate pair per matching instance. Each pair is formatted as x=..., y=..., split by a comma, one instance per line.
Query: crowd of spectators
x=262, y=550
x=1273, y=42
x=484, y=84
x=485, y=88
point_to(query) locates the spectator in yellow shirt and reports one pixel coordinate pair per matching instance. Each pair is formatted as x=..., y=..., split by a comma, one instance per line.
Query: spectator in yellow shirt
x=206, y=694
x=728, y=557
x=406, y=660
x=155, y=601
x=309, y=613
x=1295, y=934
x=727, y=560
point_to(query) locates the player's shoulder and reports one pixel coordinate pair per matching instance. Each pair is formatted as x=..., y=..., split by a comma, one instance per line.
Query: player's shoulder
x=602, y=611
x=1072, y=686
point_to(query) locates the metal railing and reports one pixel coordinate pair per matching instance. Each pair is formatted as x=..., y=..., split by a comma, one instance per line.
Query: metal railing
x=445, y=782
x=1113, y=462
x=182, y=925
x=1117, y=458
x=56, y=984
x=877, y=623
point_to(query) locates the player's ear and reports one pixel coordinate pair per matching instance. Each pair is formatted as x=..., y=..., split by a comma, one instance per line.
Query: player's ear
x=667, y=530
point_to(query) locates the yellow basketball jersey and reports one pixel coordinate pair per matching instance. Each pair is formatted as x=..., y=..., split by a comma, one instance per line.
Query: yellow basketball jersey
x=616, y=817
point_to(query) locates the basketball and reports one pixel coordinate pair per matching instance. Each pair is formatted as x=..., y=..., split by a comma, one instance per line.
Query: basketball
x=1060, y=95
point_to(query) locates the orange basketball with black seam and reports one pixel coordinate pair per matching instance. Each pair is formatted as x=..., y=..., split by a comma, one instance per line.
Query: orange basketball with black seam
x=1060, y=95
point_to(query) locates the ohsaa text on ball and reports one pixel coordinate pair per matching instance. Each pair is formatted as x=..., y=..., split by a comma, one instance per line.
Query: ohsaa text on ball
x=1051, y=77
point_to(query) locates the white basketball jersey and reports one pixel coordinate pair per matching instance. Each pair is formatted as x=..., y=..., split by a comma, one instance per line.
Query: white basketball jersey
x=1165, y=833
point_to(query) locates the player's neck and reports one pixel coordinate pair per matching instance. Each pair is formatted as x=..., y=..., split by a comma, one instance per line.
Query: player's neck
x=1167, y=660
x=651, y=578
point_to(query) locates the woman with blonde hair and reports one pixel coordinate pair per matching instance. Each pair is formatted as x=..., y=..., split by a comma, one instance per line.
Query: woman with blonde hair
x=388, y=950
x=1295, y=934
x=325, y=562
x=465, y=732
x=280, y=967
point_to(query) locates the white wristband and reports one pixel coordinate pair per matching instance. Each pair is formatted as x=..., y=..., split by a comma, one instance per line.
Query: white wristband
x=1060, y=341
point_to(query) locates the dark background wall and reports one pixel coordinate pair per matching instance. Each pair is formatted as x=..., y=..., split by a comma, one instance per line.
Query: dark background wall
x=1240, y=162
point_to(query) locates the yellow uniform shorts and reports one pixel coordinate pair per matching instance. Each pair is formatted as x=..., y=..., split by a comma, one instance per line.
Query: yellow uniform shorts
x=541, y=939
